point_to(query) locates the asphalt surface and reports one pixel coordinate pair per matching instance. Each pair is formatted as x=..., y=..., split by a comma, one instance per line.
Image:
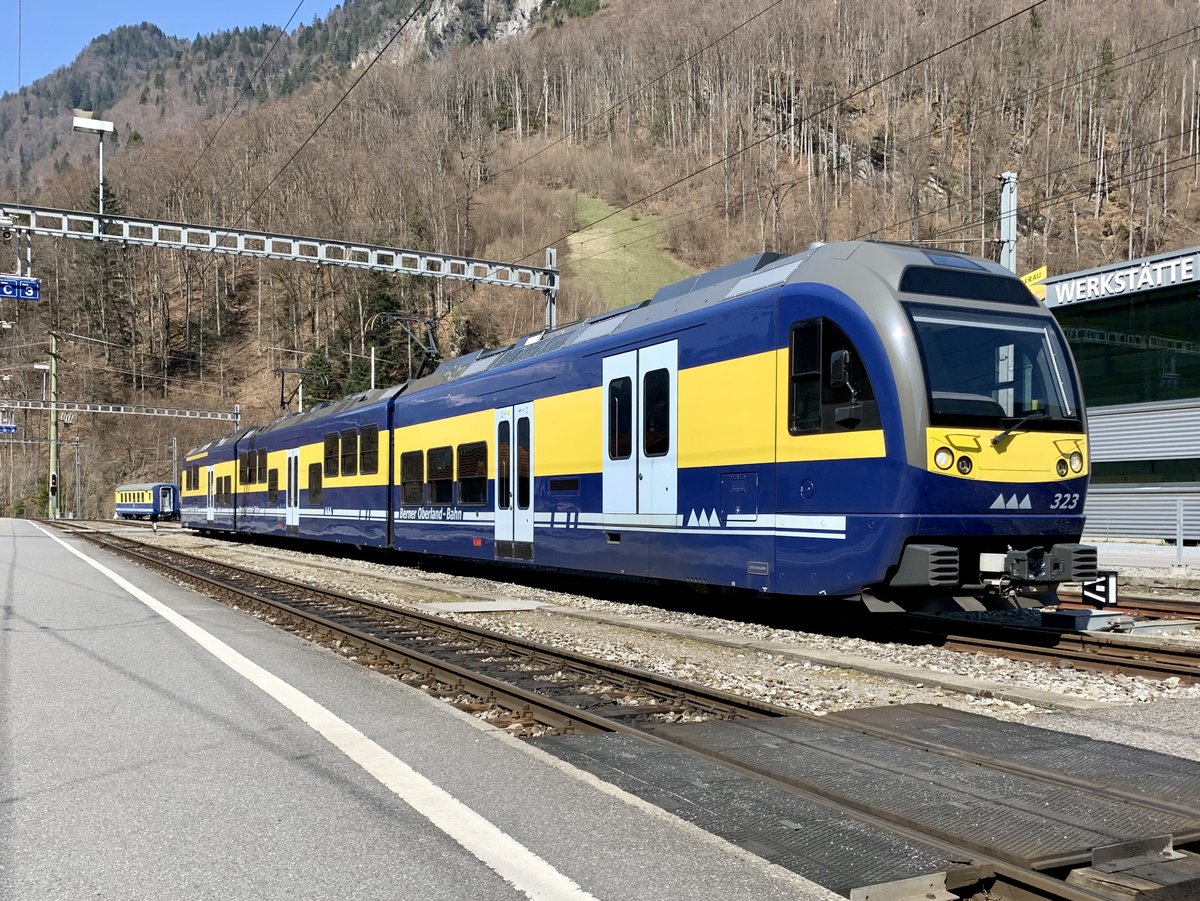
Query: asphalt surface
x=157, y=745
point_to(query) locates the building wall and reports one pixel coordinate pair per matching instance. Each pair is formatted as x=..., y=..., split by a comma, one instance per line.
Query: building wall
x=1134, y=329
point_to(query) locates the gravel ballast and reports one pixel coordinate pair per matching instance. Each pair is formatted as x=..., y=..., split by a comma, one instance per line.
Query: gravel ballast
x=812, y=673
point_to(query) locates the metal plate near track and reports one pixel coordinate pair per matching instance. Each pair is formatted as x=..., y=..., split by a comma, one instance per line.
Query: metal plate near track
x=1173, y=781
x=1024, y=821
x=806, y=837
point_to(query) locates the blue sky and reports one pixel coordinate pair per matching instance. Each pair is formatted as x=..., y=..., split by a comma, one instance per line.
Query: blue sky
x=53, y=32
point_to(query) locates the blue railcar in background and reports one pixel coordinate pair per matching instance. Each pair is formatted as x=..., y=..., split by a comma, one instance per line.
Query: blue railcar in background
x=146, y=500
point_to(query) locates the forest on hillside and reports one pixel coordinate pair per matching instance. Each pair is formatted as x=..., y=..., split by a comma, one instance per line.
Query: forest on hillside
x=731, y=127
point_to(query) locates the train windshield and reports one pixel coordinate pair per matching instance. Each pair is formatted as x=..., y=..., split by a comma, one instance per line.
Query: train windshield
x=989, y=369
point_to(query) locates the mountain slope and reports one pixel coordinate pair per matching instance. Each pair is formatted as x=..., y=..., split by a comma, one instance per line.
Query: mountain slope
x=150, y=84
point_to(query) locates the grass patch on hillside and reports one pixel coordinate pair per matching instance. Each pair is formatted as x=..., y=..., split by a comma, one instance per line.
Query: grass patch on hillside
x=620, y=259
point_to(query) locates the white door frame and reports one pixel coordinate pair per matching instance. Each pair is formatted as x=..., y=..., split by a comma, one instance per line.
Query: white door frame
x=292, y=495
x=639, y=486
x=514, y=495
x=658, y=476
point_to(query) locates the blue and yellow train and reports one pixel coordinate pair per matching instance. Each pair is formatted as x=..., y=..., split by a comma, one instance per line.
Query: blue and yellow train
x=862, y=419
x=147, y=500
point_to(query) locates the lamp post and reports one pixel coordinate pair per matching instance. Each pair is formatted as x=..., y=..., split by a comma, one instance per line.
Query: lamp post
x=99, y=127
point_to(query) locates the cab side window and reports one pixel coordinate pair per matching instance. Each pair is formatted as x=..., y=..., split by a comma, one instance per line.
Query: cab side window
x=830, y=389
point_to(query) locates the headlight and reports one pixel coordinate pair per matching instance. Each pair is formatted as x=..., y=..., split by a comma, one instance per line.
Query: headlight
x=943, y=458
x=1076, y=461
x=1061, y=468
x=964, y=464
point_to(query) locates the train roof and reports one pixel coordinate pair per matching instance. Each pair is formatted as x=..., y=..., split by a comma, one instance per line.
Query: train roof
x=144, y=486
x=331, y=408
x=220, y=441
x=856, y=264
x=868, y=261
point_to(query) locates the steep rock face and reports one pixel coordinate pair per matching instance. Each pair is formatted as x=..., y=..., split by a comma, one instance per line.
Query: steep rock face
x=452, y=23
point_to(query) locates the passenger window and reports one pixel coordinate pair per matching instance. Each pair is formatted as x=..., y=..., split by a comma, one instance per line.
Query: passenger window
x=440, y=466
x=331, y=454
x=830, y=389
x=369, y=450
x=350, y=452
x=273, y=486
x=656, y=413
x=504, y=466
x=472, y=474
x=262, y=464
x=620, y=419
x=314, y=484
x=524, y=464
x=412, y=478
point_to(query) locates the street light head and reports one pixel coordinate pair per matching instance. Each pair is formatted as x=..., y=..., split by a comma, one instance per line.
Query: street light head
x=43, y=366
x=98, y=126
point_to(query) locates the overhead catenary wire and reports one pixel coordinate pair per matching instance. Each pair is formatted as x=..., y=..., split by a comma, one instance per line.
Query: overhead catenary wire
x=746, y=147
x=1133, y=57
x=1137, y=176
x=1041, y=176
x=1074, y=78
x=617, y=105
x=246, y=90
x=417, y=7
x=770, y=136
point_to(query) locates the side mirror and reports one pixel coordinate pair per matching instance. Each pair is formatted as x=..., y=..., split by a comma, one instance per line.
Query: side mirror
x=841, y=369
x=841, y=376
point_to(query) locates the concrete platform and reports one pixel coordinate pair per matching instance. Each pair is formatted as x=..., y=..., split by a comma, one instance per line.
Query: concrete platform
x=155, y=744
x=1154, y=558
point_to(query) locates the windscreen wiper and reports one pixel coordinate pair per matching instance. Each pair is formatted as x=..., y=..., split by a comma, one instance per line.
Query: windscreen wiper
x=1032, y=414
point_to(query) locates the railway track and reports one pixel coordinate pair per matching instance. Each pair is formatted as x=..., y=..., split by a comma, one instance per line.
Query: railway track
x=539, y=686
x=1146, y=605
x=1106, y=652
x=544, y=691
x=1132, y=655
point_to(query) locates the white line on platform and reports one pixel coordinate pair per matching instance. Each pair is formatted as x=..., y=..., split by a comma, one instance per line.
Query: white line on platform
x=524, y=870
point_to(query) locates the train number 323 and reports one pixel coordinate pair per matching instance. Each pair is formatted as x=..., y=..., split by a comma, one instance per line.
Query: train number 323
x=1064, y=501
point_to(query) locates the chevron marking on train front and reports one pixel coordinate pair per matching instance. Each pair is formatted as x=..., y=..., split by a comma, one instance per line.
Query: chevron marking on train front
x=1013, y=503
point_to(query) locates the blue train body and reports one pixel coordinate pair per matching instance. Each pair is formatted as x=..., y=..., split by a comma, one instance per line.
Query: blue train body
x=863, y=419
x=146, y=500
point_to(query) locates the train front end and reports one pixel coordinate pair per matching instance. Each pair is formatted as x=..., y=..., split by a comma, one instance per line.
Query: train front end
x=998, y=455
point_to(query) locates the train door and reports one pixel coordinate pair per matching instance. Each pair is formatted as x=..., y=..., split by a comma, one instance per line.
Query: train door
x=514, y=483
x=641, y=452
x=292, y=497
x=166, y=502
x=211, y=510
